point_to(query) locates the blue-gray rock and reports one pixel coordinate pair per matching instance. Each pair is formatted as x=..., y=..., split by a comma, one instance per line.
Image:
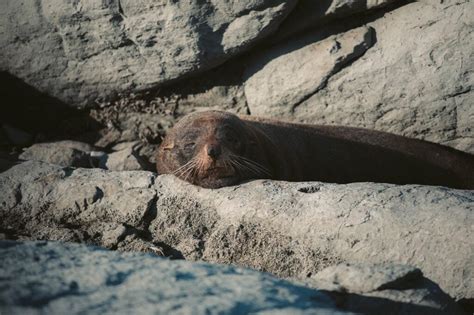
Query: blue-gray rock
x=290, y=229
x=56, y=278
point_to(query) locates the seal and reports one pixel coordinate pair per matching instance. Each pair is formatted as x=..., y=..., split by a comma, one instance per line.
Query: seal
x=213, y=149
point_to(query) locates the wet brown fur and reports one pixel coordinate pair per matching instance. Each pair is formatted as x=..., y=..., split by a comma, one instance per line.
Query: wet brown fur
x=248, y=148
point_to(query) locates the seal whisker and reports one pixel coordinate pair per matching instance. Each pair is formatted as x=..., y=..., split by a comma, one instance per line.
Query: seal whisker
x=259, y=167
x=189, y=171
x=182, y=167
x=246, y=167
x=236, y=166
x=250, y=164
x=183, y=170
x=180, y=172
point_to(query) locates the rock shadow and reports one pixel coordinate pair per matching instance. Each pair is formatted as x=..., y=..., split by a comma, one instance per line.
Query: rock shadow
x=41, y=116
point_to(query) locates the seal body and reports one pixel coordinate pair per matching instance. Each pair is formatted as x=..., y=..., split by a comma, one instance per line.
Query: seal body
x=215, y=149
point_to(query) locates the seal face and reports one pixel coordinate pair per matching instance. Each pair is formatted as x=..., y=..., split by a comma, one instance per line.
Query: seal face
x=210, y=149
x=213, y=149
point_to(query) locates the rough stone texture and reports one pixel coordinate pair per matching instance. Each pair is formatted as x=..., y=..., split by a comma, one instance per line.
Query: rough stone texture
x=64, y=153
x=124, y=158
x=415, y=81
x=289, y=229
x=281, y=80
x=39, y=278
x=79, y=51
x=381, y=285
x=55, y=278
x=376, y=277
x=310, y=13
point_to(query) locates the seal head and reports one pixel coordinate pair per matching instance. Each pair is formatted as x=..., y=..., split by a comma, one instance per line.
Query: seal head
x=211, y=149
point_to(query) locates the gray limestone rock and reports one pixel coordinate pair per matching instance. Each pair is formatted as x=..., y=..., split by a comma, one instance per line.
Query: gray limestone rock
x=416, y=80
x=52, y=278
x=55, y=278
x=124, y=158
x=63, y=153
x=81, y=51
x=376, y=289
x=413, y=82
x=310, y=14
x=289, y=229
x=287, y=75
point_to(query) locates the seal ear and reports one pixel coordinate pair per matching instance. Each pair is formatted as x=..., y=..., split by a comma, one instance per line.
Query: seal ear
x=167, y=145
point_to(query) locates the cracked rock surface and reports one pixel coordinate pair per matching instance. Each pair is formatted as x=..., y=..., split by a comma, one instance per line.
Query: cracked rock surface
x=80, y=51
x=292, y=230
x=415, y=81
x=55, y=278
x=282, y=80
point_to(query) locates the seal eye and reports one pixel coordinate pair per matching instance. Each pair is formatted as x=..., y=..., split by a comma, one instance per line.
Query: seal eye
x=189, y=146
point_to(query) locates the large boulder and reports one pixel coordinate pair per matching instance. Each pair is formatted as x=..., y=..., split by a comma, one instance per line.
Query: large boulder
x=74, y=279
x=414, y=81
x=82, y=51
x=280, y=81
x=55, y=278
x=79, y=51
x=64, y=153
x=289, y=229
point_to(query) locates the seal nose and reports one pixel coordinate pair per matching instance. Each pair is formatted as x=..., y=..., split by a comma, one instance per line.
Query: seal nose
x=213, y=151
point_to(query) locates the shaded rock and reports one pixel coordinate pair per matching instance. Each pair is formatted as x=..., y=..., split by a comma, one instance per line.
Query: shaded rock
x=368, y=278
x=308, y=13
x=82, y=51
x=379, y=289
x=272, y=88
x=17, y=136
x=7, y=160
x=77, y=279
x=63, y=153
x=289, y=229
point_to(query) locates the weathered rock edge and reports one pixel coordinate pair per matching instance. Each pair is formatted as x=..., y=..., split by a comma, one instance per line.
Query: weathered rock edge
x=289, y=229
x=81, y=51
x=55, y=278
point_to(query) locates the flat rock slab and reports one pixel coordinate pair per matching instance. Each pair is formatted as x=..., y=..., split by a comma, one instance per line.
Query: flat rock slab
x=88, y=280
x=413, y=81
x=80, y=51
x=289, y=229
x=56, y=278
x=289, y=74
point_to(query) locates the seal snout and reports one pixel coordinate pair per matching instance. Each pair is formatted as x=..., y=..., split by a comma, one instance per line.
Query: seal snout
x=213, y=150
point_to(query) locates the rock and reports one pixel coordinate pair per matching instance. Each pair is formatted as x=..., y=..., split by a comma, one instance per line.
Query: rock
x=289, y=229
x=384, y=288
x=272, y=88
x=81, y=51
x=63, y=153
x=125, y=158
x=367, y=278
x=54, y=278
x=17, y=136
x=309, y=14
x=415, y=80
x=59, y=278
